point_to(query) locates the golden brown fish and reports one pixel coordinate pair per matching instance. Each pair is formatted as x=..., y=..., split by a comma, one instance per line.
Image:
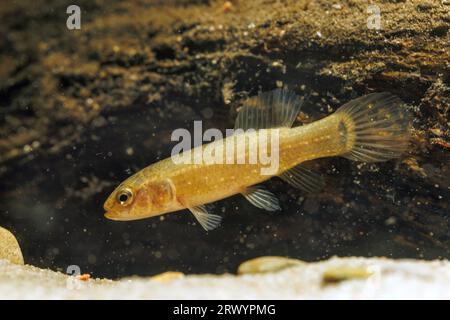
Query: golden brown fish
x=372, y=128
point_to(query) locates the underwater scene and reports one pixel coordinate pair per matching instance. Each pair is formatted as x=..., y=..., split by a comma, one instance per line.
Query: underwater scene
x=151, y=138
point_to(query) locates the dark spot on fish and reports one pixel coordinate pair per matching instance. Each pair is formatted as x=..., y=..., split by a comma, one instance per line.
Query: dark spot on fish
x=343, y=132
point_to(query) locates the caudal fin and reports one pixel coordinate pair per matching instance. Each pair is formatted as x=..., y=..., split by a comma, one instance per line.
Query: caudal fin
x=376, y=127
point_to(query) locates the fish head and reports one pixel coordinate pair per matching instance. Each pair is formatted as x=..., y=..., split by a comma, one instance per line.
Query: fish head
x=128, y=202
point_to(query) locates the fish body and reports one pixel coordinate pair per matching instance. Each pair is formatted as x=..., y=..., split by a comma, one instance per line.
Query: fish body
x=371, y=128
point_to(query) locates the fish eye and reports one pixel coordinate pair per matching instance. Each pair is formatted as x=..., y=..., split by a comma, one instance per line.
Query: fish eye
x=124, y=196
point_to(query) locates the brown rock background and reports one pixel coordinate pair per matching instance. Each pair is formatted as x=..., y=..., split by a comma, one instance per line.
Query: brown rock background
x=82, y=109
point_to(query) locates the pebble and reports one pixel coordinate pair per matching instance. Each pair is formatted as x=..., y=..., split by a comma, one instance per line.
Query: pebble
x=9, y=247
x=343, y=273
x=267, y=264
x=167, y=276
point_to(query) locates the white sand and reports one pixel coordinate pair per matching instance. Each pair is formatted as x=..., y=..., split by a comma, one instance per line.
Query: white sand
x=386, y=279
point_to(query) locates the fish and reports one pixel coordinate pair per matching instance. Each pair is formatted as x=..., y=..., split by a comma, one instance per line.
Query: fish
x=372, y=128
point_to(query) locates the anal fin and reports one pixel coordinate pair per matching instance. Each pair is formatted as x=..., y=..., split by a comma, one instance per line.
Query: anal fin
x=261, y=198
x=304, y=179
x=207, y=221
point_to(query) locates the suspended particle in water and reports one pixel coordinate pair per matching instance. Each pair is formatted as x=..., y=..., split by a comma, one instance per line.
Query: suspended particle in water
x=207, y=113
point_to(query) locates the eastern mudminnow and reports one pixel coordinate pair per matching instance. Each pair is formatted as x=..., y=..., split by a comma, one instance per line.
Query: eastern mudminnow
x=372, y=128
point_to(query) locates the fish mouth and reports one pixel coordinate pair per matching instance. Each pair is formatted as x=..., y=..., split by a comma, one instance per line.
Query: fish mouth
x=122, y=217
x=110, y=215
x=114, y=216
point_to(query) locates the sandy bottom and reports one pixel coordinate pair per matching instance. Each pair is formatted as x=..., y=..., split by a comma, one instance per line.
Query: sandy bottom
x=337, y=278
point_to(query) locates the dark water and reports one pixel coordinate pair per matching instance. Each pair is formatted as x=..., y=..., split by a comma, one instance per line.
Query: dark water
x=52, y=201
x=58, y=217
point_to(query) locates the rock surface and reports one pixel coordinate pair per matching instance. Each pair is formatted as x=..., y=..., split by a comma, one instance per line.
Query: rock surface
x=354, y=278
x=81, y=110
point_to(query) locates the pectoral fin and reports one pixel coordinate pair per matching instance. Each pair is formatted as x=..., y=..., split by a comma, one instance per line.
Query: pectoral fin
x=207, y=221
x=304, y=179
x=261, y=198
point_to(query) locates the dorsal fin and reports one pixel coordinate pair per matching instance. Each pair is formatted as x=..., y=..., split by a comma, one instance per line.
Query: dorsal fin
x=273, y=109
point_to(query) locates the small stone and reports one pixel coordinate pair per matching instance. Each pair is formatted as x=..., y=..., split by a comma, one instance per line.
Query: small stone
x=337, y=6
x=343, y=273
x=227, y=6
x=436, y=131
x=168, y=276
x=9, y=247
x=267, y=264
